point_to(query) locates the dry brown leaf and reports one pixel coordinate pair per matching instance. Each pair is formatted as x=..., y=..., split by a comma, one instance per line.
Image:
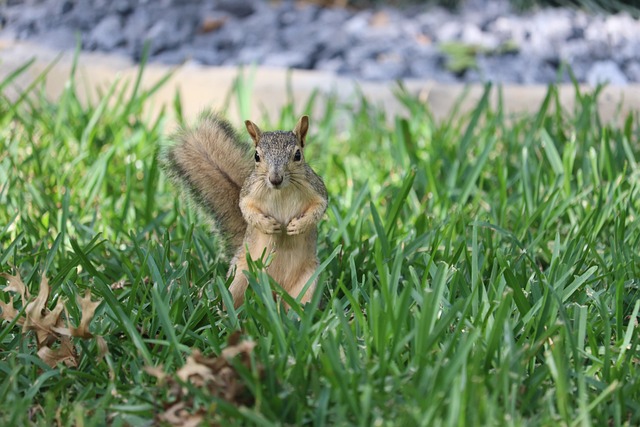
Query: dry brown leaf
x=194, y=372
x=216, y=375
x=103, y=349
x=41, y=319
x=16, y=285
x=178, y=415
x=66, y=354
x=9, y=312
x=157, y=372
x=36, y=307
x=52, y=336
x=88, y=308
x=245, y=347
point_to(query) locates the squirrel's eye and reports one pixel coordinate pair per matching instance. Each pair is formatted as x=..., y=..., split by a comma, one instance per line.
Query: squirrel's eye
x=257, y=157
x=298, y=156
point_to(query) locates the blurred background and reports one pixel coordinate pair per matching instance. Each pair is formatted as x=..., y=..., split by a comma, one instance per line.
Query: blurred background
x=447, y=41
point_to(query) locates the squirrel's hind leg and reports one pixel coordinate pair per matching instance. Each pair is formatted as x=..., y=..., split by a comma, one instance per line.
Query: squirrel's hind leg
x=238, y=288
x=305, y=274
x=239, y=285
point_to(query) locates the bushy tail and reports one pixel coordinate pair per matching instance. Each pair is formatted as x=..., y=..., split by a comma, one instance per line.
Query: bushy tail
x=212, y=163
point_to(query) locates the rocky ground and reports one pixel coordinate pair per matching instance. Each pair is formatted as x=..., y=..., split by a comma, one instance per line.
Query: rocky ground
x=485, y=40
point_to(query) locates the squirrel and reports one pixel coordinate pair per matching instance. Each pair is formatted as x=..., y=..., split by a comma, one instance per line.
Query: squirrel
x=272, y=202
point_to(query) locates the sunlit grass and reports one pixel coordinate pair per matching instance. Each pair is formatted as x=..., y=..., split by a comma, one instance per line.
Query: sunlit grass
x=479, y=270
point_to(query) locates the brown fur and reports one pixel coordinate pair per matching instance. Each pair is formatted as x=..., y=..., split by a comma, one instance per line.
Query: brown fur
x=212, y=163
x=281, y=220
x=272, y=204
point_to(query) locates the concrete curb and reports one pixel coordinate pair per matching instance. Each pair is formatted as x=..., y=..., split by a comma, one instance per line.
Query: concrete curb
x=208, y=87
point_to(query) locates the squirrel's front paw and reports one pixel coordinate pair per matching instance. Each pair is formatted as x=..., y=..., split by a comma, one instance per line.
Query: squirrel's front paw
x=295, y=227
x=270, y=226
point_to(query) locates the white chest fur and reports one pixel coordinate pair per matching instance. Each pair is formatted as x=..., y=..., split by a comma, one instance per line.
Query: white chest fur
x=283, y=204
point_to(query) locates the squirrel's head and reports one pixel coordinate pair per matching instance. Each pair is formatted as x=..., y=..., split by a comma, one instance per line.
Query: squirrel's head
x=279, y=154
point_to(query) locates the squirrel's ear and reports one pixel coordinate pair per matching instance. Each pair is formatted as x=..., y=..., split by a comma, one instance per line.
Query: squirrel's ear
x=301, y=129
x=253, y=130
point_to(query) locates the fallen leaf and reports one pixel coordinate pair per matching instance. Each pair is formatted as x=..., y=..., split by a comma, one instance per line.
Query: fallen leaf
x=88, y=308
x=215, y=375
x=243, y=348
x=64, y=354
x=53, y=337
x=40, y=319
x=103, y=349
x=9, y=312
x=157, y=372
x=194, y=372
x=178, y=415
x=16, y=285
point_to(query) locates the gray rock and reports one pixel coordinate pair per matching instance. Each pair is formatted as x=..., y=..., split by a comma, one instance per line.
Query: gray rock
x=385, y=67
x=472, y=35
x=473, y=76
x=579, y=69
x=83, y=16
x=206, y=56
x=300, y=34
x=237, y=8
x=360, y=53
x=621, y=28
x=581, y=50
x=552, y=24
x=357, y=24
x=233, y=37
x=265, y=23
x=514, y=69
x=107, y=35
x=161, y=36
x=632, y=70
x=334, y=65
x=172, y=57
x=433, y=18
x=510, y=28
x=333, y=43
x=66, y=6
x=27, y=22
x=449, y=31
x=431, y=69
x=164, y=35
x=123, y=7
x=290, y=15
x=628, y=51
x=287, y=59
x=252, y=55
x=332, y=17
x=135, y=25
x=608, y=72
x=380, y=43
x=59, y=38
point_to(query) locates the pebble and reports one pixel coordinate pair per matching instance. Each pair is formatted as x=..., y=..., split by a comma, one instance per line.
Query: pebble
x=606, y=72
x=107, y=35
x=383, y=43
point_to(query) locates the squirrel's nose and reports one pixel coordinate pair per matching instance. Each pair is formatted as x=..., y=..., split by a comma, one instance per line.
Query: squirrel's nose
x=276, y=180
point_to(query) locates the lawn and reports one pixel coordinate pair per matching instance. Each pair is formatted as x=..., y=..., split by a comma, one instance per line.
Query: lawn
x=483, y=270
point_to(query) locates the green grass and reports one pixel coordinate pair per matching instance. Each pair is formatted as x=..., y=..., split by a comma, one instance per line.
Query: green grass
x=483, y=270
